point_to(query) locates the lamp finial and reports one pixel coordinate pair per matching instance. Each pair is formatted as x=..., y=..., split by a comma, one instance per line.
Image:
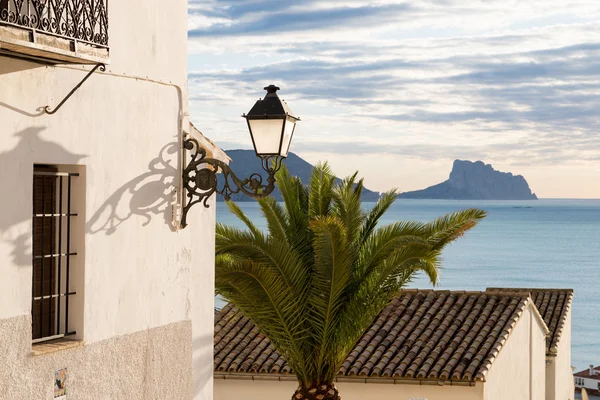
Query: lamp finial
x=271, y=89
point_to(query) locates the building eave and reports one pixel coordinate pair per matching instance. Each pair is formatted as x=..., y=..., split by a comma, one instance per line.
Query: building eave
x=347, y=379
x=214, y=151
x=538, y=316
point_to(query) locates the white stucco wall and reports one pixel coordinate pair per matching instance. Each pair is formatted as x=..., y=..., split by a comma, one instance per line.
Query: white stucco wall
x=563, y=384
x=550, y=378
x=242, y=389
x=538, y=357
x=589, y=383
x=125, y=129
x=518, y=373
x=202, y=300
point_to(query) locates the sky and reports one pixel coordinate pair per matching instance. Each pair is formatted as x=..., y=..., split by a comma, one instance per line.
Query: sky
x=398, y=90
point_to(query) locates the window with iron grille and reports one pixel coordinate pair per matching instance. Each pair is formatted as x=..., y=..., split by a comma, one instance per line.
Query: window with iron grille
x=53, y=216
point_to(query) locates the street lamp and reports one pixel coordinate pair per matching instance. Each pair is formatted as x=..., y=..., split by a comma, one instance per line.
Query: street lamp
x=271, y=124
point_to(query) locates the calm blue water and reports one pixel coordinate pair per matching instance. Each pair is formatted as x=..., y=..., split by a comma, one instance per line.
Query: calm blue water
x=545, y=243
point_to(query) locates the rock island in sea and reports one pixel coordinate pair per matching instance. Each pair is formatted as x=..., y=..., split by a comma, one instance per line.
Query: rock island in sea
x=476, y=181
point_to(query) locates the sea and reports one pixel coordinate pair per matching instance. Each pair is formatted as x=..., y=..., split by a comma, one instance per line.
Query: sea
x=539, y=244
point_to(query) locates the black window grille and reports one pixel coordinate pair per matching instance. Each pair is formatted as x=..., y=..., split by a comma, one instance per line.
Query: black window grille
x=52, y=252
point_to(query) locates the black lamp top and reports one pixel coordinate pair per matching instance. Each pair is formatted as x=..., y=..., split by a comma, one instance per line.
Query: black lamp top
x=271, y=106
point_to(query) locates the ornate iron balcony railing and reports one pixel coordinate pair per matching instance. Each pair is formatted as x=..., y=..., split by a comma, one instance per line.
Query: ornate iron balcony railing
x=83, y=20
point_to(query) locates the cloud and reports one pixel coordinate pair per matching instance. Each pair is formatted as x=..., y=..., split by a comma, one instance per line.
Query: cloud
x=518, y=83
x=282, y=18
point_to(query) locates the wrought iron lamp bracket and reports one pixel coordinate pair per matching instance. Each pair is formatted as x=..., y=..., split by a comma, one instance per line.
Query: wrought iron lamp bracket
x=49, y=111
x=200, y=179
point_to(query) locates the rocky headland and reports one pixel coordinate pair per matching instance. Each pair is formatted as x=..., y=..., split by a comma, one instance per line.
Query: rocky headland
x=476, y=181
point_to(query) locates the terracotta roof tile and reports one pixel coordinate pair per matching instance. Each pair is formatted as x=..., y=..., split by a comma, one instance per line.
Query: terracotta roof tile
x=421, y=334
x=586, y=373
x=553, y=305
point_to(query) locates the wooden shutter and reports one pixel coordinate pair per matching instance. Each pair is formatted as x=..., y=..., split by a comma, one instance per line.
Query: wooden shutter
x=44, y=243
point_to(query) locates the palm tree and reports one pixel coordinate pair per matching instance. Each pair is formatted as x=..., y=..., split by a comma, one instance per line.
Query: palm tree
x=317, y=279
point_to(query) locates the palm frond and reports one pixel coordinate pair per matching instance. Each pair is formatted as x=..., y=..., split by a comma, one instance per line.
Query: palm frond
x=372, y=218
x=242, y=246
x=320, y=191
x=378, y=288
x=384, y=241
x=347, y=205
x=274, y=213
x=450, y=227
x=263, y=297
x=332, y=272
x=295, y=200
x=238, y=212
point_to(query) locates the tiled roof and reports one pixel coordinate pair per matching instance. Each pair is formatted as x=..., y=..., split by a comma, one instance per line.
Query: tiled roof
x=427, y=335
x=553, y=305
x=586, y=373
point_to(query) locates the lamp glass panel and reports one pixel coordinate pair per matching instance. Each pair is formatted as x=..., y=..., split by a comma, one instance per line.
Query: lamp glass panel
x=266, y=134
x=288, y=132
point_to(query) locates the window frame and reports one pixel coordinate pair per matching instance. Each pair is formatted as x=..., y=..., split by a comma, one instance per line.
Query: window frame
x=52, y=244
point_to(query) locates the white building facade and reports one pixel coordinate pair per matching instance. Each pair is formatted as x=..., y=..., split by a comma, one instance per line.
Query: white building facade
x=103, y=296
x=559, y=381
x=589, y=380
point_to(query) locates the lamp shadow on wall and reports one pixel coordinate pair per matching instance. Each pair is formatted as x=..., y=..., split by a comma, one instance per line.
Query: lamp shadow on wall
x=30, y=149
x=150, y=194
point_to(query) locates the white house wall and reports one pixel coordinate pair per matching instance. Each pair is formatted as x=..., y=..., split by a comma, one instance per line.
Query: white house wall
x=143, y=282
x=591, y=384
x=242, y=389
x=551, y=379
x=202, y=299
x=563, y=384
x=518, y=373
x=538, y=356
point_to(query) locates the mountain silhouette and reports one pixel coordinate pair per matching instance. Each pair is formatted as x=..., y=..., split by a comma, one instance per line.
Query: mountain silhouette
x=245, y=163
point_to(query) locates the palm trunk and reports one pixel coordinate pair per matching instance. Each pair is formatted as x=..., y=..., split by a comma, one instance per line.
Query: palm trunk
x=323, y=391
